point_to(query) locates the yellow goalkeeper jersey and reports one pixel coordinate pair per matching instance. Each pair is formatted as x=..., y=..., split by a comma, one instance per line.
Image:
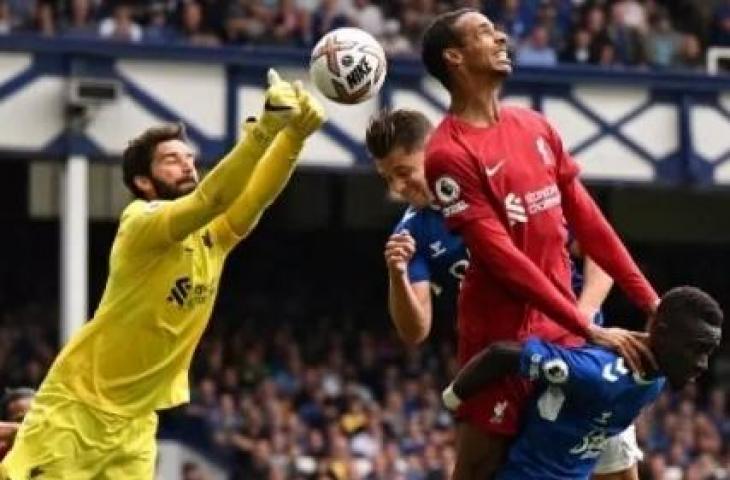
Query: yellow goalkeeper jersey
x=133, y=356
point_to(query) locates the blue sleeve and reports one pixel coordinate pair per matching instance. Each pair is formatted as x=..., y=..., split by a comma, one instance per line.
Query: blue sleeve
x=572, y=368
x=418, y=267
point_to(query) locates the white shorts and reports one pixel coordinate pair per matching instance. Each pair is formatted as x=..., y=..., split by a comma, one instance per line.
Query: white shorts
x=620, y=453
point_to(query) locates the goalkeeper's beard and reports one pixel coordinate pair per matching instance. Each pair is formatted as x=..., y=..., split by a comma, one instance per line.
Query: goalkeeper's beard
x=166, y=191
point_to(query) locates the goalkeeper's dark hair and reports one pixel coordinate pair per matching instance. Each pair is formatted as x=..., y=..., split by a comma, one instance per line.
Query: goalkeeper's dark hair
x=390, y=129
x=684, y=307
x=137, y=157
x=439, y=36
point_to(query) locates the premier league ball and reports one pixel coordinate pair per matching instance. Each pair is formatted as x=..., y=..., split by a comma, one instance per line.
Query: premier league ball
x=348, y=65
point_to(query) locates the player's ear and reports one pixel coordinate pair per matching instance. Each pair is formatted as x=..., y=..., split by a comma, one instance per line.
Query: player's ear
x=144, y=184
x=453, y=56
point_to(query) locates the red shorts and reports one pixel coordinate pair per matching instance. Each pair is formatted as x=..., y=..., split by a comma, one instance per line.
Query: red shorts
x=498, y=408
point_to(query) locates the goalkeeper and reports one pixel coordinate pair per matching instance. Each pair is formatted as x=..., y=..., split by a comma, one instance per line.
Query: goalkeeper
x=94, y=415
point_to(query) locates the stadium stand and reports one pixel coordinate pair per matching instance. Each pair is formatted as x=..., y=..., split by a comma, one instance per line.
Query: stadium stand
x=291, y=383
x=625, y=33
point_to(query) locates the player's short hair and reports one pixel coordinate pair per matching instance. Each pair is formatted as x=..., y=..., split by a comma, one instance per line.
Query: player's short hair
x=390, y=129
x=682, y=307
x=137, y=157
x=13, y=394
x=439, y=36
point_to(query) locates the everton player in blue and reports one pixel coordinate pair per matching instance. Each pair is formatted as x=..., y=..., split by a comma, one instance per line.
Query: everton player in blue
x=424, y=257
x=587, y=393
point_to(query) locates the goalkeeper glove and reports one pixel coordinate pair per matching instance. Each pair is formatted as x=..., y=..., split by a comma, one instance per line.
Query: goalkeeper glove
x=311, y=114
x=281, y=105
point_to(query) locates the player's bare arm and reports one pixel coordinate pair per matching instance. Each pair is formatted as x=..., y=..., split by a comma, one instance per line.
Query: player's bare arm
x=409, y=303
x=491, y=245
x=596, y=287
x=600, y=242
x=491, y=364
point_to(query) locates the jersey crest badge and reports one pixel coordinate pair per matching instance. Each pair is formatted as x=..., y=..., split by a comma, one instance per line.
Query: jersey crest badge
x=545, y=153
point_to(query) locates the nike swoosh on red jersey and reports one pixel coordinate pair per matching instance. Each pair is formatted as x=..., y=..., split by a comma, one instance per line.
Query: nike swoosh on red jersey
x=493, y=171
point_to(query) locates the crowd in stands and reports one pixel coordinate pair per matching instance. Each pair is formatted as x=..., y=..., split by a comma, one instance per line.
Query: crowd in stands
x=329, y=400
x=641, y=33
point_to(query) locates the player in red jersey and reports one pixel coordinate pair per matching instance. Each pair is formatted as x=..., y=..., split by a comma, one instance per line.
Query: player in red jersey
x=506, y=184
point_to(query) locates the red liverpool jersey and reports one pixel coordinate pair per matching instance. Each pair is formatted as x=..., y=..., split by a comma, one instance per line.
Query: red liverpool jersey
x=508, y=190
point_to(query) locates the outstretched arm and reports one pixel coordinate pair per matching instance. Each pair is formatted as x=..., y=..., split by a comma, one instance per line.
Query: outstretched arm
x=602, y=244
x=596, y=237
x=457, y=185
x=164, y=222
x=271, y=174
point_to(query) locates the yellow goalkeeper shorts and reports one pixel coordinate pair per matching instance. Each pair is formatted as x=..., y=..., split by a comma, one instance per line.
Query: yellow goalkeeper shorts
x=62, y=438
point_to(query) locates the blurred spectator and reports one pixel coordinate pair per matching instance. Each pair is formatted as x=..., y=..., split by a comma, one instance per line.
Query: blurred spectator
x=625, y=37
x=158, y=29
x=547, y=17
x=536, y=51
x=80, y=23
x=329, y=16
x=192, y=471
x=579, y=48
x=214, y=15
x=718, y=412
x=634, y=14
x=5, y=19
x=393, y=42
x=367, y=16
x=721, y=24
x=415, y=17
x=662, y=41
x=247, y=21
x=43, y=19
x=192, y=29
x=691, y=56
x=22, y=12
x=121, y=26
x=15, y=405
x=512, y=20
x=291, y=25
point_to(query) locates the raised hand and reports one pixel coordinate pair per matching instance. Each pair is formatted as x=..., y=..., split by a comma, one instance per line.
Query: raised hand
x=629, y=345
x=399, y=250
x=281, y=105
x=311, y=113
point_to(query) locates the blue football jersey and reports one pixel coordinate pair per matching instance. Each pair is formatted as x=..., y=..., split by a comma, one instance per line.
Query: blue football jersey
x=585, y=396
x=441, y=257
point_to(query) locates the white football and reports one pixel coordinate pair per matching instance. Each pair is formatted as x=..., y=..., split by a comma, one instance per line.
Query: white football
x=348, y=65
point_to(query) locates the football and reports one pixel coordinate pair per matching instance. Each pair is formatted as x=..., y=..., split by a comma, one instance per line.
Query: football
x=348, y=65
